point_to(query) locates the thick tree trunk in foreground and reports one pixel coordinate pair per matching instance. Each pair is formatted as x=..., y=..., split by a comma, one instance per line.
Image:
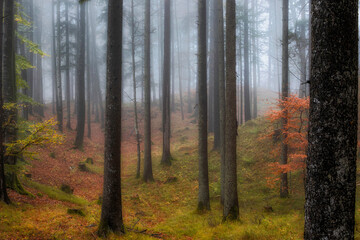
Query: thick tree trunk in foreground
x=81, y=82
x=3, y=193
x=204, y=196
x=166, y=156
x=331, y=163
x=111, y=211
x=231, y=205
x=148, y=174
x=222, y=105
x=284, y=191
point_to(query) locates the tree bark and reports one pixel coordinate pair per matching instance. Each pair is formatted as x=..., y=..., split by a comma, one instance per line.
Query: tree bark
x=284, y=191
x=53, y=58
x=204, y=196
x=222, y=106
x=148, y=174
x=38, y=89
x=3, y=192
x=68, y=107
x=231, y=205
x=247, y=104
x=166, y=157
x=136, y=124
x=59, y=105
x=254, y=47
x=215, y=72
x=81, y=82
x=9, y=79
x=178, y=44
x=111, y=211
x=88, y=73
x=331, y=164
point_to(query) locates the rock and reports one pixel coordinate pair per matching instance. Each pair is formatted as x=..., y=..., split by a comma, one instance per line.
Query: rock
x=66, y=189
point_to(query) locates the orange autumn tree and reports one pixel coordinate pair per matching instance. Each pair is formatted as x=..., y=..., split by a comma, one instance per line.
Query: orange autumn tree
x=295, y=109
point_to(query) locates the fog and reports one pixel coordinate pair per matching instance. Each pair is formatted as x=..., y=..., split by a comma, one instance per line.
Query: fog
x=265, y=34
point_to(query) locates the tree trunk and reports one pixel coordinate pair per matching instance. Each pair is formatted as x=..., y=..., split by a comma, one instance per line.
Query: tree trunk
x=96, y=86
x=284, y=191
x=134, y=89
x=166, y=157
x=53, y=58
x=148, y=174
x=189, y=110
x=9, y=79
x=331, y=164
x=178, y=44
x=222, y=106
x=59, y=107
x=302, y=50
x=3, y=192
x=204, y=196
x=81, y=82
x=38, y=94
x=88, y=73
x=254, y=47
x=241, y=96
x=231, y=205
x=215, y=72
x=30, y=71
x=111, y=211
x=68, y=107
x=247, y=104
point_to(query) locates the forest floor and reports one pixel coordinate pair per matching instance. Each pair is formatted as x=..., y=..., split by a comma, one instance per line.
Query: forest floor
x=164, y=209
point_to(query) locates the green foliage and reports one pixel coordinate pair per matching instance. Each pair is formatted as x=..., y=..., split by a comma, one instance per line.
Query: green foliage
x=36, y=134
x=31, y=46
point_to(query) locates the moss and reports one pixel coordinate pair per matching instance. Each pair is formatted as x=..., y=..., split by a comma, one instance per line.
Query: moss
x=52, y=155
x=56, y=194
x=13, y=182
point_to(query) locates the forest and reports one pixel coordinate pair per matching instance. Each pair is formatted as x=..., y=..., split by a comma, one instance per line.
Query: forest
x=179, y=119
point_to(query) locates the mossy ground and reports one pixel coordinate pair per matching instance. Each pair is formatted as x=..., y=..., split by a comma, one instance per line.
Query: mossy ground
x=161, y=209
